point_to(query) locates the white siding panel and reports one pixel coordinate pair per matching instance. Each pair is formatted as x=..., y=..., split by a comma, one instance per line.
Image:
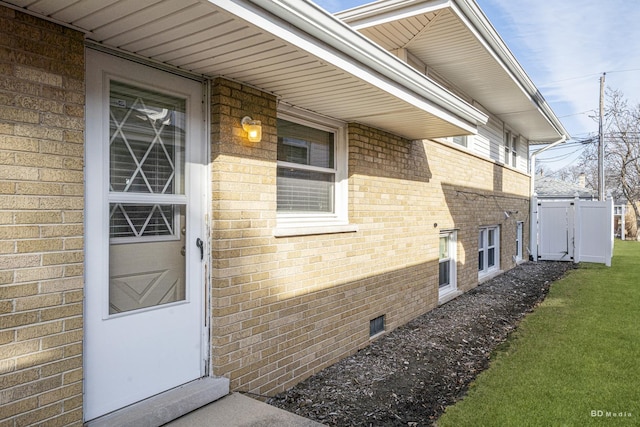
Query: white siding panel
x=481, y=144
x=493, y=134
x=523, y=155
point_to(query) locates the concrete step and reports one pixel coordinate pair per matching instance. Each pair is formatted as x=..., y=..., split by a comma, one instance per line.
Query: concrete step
x=238, y=410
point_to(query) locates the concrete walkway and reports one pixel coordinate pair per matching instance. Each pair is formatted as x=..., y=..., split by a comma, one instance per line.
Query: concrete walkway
x=238, y=410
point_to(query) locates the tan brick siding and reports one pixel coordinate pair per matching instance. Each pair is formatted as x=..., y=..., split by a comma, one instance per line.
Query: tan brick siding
x=284, y=308
x=41, y=221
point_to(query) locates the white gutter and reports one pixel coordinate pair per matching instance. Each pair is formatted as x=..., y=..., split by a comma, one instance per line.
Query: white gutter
x=532, y=162
x=314, y=30
x=533, y=201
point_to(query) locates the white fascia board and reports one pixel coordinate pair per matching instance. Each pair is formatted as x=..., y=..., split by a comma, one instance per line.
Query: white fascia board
x=477, y=22
x=382, y=12
x=314, y=30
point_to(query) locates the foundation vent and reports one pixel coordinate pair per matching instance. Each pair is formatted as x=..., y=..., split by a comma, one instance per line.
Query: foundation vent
x=376, y=326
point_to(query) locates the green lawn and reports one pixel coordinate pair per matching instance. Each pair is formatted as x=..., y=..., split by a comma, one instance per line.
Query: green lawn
x=574, y=361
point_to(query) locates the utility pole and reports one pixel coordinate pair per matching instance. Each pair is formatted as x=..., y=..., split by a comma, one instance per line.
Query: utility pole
x=601, y=192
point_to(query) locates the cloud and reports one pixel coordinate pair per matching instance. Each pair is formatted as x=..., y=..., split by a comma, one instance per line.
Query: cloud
x=565, y=46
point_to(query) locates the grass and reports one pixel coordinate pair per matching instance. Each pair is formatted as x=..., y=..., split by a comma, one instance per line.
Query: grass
x=574, y=361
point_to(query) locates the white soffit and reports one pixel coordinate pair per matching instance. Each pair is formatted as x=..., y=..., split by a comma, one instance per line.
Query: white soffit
x=454, y=39
x=284, y=47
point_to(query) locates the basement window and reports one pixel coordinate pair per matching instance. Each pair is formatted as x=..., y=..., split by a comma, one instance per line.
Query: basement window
x=376, y=326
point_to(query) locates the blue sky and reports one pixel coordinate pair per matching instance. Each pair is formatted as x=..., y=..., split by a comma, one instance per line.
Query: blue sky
x=565, y=46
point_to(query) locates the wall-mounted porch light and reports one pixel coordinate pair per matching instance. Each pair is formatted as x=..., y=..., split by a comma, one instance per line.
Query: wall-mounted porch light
x=253, y=128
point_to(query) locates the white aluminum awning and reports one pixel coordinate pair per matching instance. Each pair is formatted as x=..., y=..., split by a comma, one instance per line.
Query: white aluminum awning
x=290, y=48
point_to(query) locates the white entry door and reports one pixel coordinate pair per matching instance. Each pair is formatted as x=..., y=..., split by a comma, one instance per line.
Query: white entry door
x=145, y=193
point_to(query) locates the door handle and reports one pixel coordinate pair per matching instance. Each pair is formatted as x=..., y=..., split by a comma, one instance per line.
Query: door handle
x=200, y=245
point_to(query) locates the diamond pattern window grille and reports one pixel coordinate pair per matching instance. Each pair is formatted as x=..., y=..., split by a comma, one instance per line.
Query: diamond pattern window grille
x=146, y=157
x=141, y=220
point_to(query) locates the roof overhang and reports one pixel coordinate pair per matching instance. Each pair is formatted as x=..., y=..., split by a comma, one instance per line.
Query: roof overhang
x=454, y=39
x=290, y=48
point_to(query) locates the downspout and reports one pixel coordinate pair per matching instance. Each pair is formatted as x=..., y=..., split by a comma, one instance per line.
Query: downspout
x=533, y=201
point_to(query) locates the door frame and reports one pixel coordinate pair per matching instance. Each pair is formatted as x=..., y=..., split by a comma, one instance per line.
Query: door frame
x=96, y=255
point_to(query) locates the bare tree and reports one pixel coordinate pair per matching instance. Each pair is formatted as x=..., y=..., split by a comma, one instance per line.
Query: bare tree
x=622, y=148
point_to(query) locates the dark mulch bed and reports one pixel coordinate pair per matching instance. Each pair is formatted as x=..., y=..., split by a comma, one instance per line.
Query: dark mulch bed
x=409, y=376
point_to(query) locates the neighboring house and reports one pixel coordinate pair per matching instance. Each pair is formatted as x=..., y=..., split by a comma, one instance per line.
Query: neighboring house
x=621, y=209
x=548, y=188
x=150, y=242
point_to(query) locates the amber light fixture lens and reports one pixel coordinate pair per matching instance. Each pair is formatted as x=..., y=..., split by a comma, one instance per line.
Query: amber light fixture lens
x=253, y=129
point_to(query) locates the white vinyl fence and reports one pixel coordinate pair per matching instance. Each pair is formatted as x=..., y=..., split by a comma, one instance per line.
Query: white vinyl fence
x=576, y=230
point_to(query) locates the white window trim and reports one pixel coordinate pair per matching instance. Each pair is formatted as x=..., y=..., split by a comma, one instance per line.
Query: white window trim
x=510, y=145
x=467, y=147
x=451, y=291
x=294, y=224
x=519, y=246
x=487, y=271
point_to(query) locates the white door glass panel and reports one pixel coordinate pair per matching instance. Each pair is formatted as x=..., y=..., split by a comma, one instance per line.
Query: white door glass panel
x=447, y=263
x=481, y=249
x=146, y=156
x=519, y=228
x=145, y=172
x=488, y=249
x=146, y=140
x=491, y=248
x=143, y=274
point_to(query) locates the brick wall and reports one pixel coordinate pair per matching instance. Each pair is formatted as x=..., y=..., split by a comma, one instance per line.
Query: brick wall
x=284, y=308
x=41, y=221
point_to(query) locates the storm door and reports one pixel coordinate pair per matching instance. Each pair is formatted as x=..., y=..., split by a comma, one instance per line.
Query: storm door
x=145, y=179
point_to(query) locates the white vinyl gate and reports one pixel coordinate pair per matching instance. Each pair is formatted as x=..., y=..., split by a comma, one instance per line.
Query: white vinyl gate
x=576, y=230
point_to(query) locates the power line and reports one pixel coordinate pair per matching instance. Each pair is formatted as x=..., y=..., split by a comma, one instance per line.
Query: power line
x=559, y=158
x=577, y=114
x=588, y=76
x=623, y=71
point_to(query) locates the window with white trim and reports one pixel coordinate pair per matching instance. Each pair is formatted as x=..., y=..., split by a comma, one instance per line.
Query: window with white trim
x=510, y=149
x=488, y=250
x=519, y=228
x=312, y=171
x=460, y=140
x=447, y=263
